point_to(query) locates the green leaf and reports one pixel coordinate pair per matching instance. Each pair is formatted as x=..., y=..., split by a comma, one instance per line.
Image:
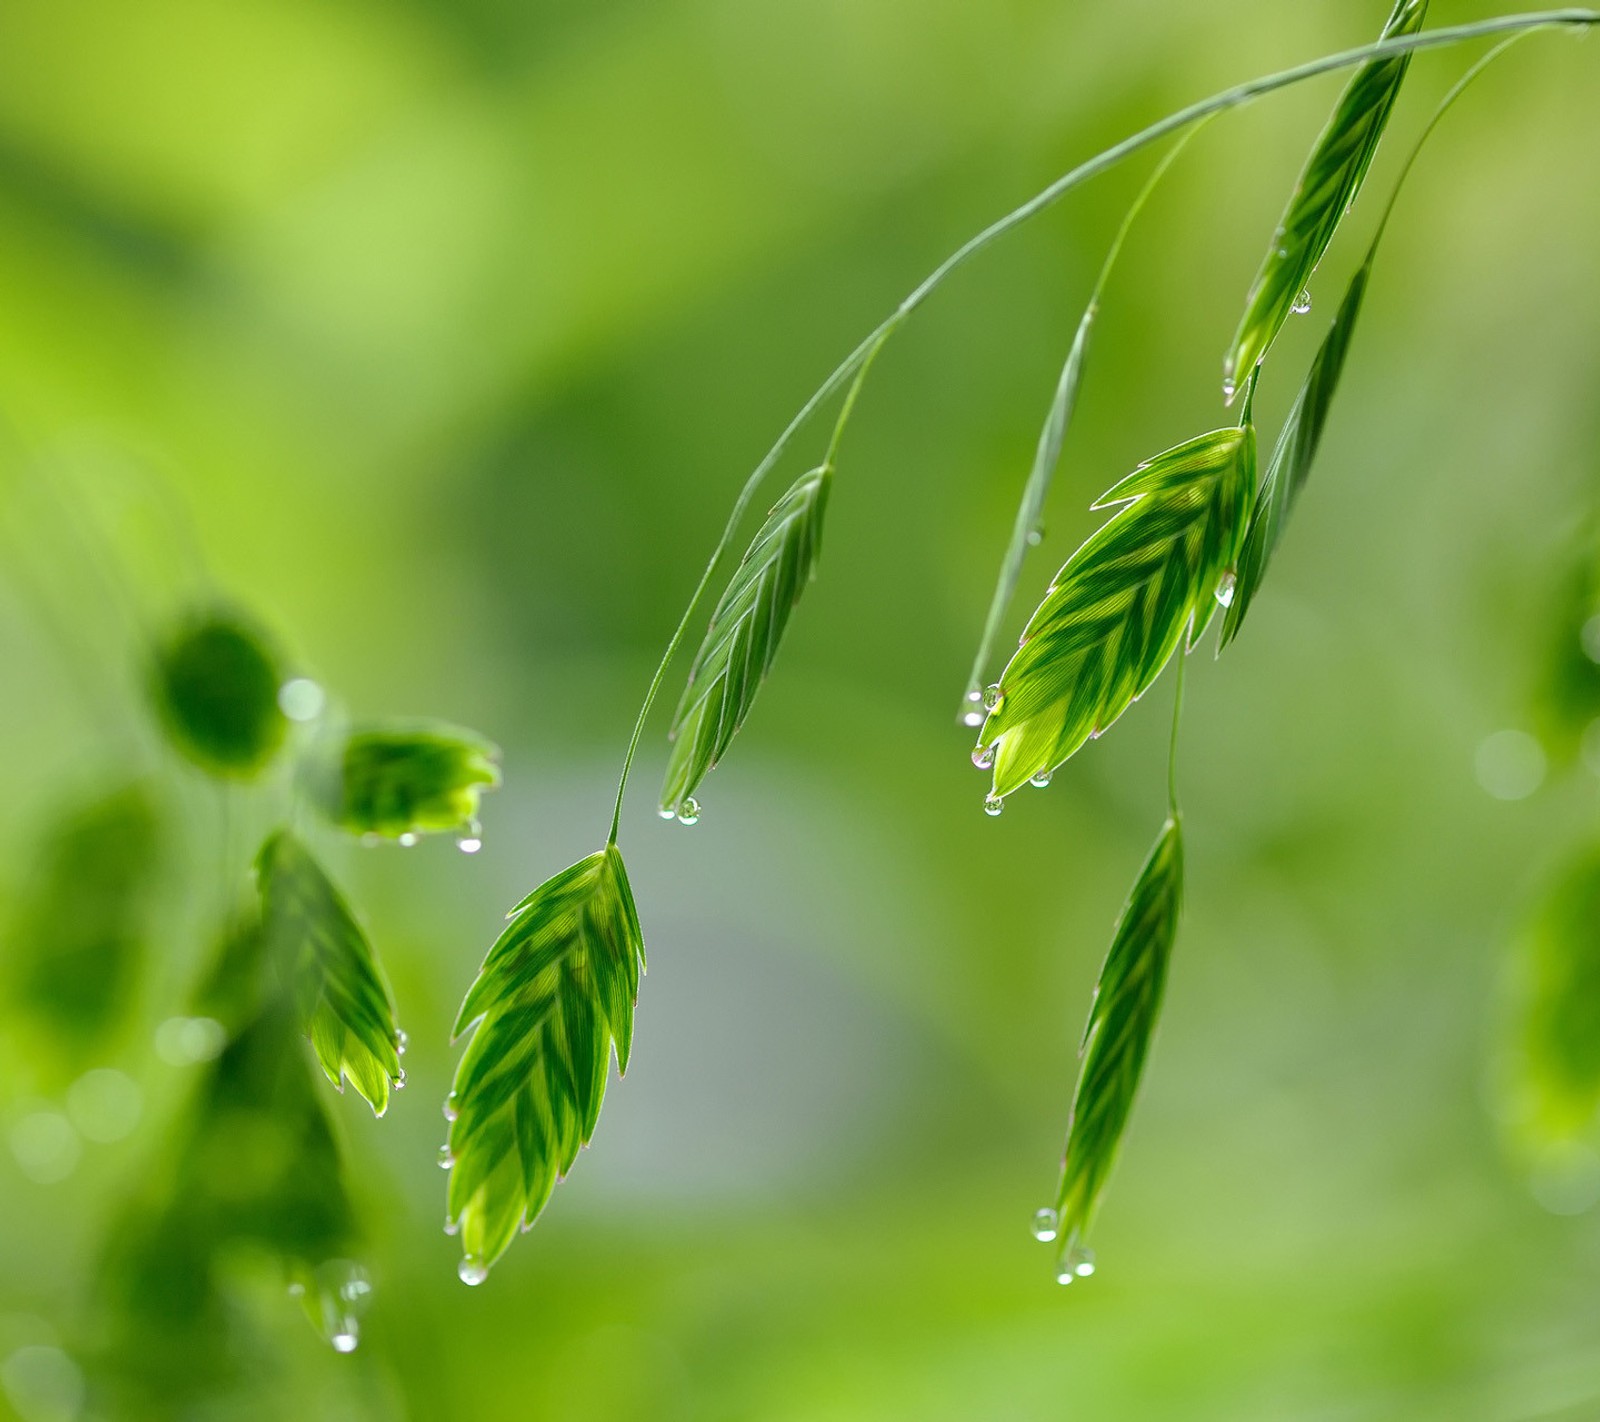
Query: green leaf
x=1127, y=1002
x=76, y=949
x=1558, y=1097
x=555, y=993
x=405, y=779
x=1328, y=186
x=1293, y=455
x=343, y=1001
x=1118, y=608
x=215, y=687
x=744, y=634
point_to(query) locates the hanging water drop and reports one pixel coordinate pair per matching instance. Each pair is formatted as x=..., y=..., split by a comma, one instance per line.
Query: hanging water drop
x=472, y=1269
x=400, y=1081
x=346, y=1336
x=407, y=840
x=973, y=715
x=357, y=1289
x=991, y=697
x=993, y=804
x=983, y=757
x=688, y=810
x=449, y=1107
x=1035, y=536
x=401, y=1041
x=1064, y=1274
x=1044, y=1225
x=446, y=1160
x=1078, y=1262
x=452, y=1226
x=470, y=840
x=1302, y=303
x=1229, y=390
x=974, y=719
x=1041, y=779
x=667, y=812
x=1225, y=587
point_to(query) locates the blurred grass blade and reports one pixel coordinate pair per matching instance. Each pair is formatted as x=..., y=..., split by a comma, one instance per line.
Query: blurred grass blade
x=744, y=634
x=404, y=779
x=253, y=1171
x=76, y=946
x=1127, y=1002
x=343, y=1001
x=555, y=992
x=1118, y=608
x=1558, y=1089
x=215, y=685
x=1026, y=530
x=1293, y=455
x=1327, y=187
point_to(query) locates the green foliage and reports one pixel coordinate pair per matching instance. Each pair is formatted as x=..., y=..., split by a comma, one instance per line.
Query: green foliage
x=556, y=991
x=744, y=634
x=1127, y=1002
x=254, y=1167
x=75, y=949
x=215, y=687
x=1293, y=455
x=313, y=939
x=1327, y=187
x=405, y=779
x=1558, y=1096
x=1118, y=608
x=236, y=982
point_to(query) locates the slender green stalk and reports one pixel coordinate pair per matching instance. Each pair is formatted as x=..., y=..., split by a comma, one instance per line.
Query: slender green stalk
x=1172, y=742
x=1235, y=97
x=1024, y=531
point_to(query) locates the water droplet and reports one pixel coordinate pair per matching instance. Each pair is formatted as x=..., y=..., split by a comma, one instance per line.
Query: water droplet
x=346, y=1336
x=973, y=719
x=1064, y=1274
x=446, y=1160
x=1044, y=1224
x=983, y=757
x=452, y=1226
x=1035, y=537
x=400, y=1081
x=975, y=697
x=1225, y=586
x=1076, y=1263
x=301, y=699
x=401, y=1040
x=1302, y=303
x=449, y=1107
x=407, y=840
x=1040, y=780
x=470, y=840
x=667, y=812
x=993, y=804
x=472, y=1269
x=991, y=697
x=357, y=1289
x=688, y=810
x=1229, y=390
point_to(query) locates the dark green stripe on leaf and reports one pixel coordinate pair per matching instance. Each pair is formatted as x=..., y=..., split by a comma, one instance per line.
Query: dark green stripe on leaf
x=1293, y=455
x=744, y=634
x=412, y=778
x=554, y=997
x=1119, y=607
x=1127, y=1002
x=215, y=688
x=315, y=942
x=1327, y=187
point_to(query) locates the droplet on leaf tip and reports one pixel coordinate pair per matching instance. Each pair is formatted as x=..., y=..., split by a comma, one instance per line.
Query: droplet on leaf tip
x=1225, y=587
x=446, y=1160
x=1044, y=1224
x=983, y=757
x=407, y=840
x=472, y=1269
x=993, y=804
x=688, y=810
x=991, y=696
x=1041, y=779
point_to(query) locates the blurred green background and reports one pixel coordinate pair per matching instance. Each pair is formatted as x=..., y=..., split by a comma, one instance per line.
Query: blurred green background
x=442, y=334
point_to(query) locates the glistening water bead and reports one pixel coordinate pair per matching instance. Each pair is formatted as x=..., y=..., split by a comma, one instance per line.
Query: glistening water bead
x=991, y=697
x=446, y=1160
x=1044, y=1225
x=688, y=810
x=1225, y=586
x=973, y=715
x=983, y=757
x=993, y=804
x=472, y=1269
x=1076, y=1263
x=1302, y=303
x=1041, y=779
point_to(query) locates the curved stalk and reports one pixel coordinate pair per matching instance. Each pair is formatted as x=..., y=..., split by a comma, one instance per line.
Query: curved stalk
x=1175, y=122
